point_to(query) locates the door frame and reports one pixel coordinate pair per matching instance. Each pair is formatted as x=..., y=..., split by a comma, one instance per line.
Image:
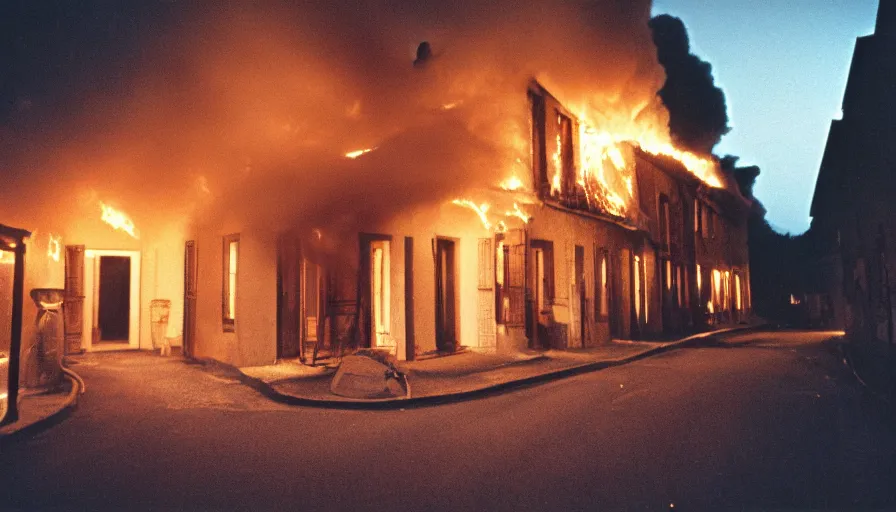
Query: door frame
x=91, y=288
x=441, y=344
x=365, y=286
x=191, y=283
x=290, y=257
x=581, y=292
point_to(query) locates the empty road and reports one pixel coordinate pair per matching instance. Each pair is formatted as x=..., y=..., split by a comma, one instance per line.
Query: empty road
x=778, y=423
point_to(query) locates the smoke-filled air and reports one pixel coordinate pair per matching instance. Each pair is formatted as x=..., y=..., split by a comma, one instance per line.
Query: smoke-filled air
x=327, y=112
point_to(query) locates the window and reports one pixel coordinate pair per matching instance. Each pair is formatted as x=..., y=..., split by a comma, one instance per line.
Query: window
x=738, y=293
x=602, y=283
x=544, y=274
x=539, y=279
x=679, y=285
x=716, y=289
x=537, y=133
x=231, y=253
x=567, y=157
x=726, y=292
x=664, y=223
x=698, y=216
x=510, y=278
x=312, y=277
x=699, y=282
x=379, y=289
x=637, y=287
x=502, y=299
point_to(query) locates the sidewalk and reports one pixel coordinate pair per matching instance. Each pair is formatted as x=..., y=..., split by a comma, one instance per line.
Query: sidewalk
x=458, y=377
x=40, y=410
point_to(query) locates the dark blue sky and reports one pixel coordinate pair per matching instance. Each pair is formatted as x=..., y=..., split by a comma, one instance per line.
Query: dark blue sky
x=783, y=67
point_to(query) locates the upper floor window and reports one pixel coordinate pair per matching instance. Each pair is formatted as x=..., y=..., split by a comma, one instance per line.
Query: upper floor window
x=665, y=223
x=698, y=216
x=602, y=283
x=565, y=147
x=539, y=149
x=231, y=253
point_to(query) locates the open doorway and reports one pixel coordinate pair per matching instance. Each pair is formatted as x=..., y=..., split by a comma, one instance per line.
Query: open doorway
x=114, y=299
x=111, y=318
x=376, y=291
x=446, y=295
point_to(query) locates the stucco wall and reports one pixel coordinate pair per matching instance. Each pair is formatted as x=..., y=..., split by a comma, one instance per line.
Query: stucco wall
x=254, y=340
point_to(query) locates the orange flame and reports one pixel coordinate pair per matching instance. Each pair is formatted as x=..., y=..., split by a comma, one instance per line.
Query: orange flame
x=512, y=184
x=518, y=213
x=118, y=220
x=54, y=247
x=7, y=258
x=481, y=210
x=355, y=154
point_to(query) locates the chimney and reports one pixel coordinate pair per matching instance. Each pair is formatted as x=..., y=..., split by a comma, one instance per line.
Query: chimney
x=886, y=17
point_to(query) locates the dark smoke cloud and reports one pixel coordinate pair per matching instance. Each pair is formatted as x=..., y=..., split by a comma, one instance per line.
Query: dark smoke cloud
x=698, y=116
x=745, y=176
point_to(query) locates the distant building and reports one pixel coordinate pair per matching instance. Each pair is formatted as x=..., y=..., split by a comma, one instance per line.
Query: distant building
x=853, y=207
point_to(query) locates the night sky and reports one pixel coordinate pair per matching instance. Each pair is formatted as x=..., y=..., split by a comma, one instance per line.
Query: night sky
x=783, y=66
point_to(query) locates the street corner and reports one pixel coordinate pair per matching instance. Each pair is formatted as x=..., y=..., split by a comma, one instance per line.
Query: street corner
x=41, y=409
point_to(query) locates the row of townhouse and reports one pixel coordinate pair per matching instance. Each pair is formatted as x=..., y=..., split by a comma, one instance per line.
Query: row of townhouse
x=564, y=272
x=433, y=279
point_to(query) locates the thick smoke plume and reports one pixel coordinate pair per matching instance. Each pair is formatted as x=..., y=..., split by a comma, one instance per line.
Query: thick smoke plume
x=698, y=116
x=248, y=108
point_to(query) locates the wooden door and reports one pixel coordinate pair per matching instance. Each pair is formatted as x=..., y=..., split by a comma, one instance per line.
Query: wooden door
x=73, y=305
x=289, y=289
x=446, y=321
x=190, y=282
x=582, y=313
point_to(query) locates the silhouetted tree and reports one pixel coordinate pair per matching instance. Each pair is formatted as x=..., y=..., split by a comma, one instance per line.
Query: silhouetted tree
x=698, y=116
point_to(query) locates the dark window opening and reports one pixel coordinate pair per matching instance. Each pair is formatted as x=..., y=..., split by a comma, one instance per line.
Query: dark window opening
x=539, y=153
x=567, y=156
x=664, y=223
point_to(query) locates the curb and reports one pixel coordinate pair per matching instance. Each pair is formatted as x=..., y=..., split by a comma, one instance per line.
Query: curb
x=461, y=396
x=71, y=403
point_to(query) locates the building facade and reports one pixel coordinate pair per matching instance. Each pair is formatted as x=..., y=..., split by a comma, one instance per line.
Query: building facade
x=569, y=265
x=852, y=206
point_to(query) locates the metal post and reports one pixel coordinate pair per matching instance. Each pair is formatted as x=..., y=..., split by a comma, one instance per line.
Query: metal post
x=15, y=346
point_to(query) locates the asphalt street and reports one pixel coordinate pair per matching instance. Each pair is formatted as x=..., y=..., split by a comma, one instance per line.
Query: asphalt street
x=776, y=423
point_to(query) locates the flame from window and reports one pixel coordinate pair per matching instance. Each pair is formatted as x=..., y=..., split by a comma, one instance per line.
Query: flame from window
x=54, y=247
x=7, y=258
x=557, y=160
x=118, y=220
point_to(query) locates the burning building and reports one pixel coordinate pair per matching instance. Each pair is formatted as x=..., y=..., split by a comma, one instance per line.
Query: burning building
x=291, y=191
